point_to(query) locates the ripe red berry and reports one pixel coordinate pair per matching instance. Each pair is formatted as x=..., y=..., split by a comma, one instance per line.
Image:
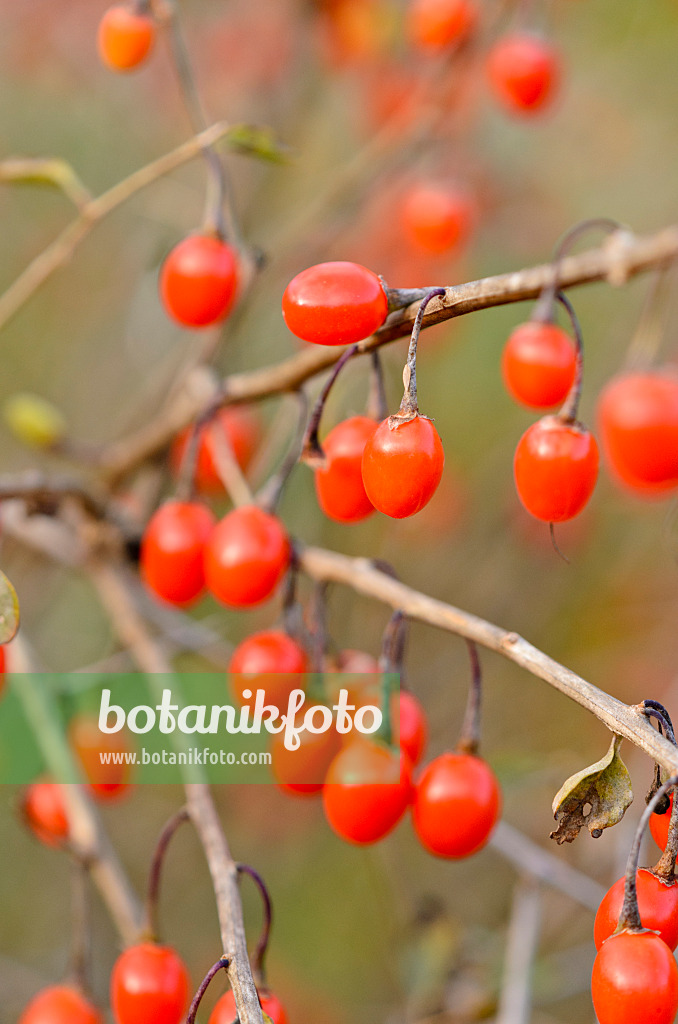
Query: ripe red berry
x=657, y=905
x=149, y=983
x=43, y=809
x=125, y=37
x=224, y=1011
x=538, y=364
x=436, y=24
x=367, y=790
x=172, y=550
x=402, y=466
x=246, y=557
x=659, y=826
x=524, y=72
x=457, y=801
x=555, y=469
x=106, y=781
x=638, y=423
x=270, y=661
x=635, y=978
x=412, y=729
x=339, y=483
x=334, y=303
x=437, y=218
x=60, y=1004
x=199, y=280
x=302, y=772
x=238, y=426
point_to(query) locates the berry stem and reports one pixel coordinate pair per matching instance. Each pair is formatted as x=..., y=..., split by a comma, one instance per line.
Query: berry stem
x=221, y=965
x=150, y=927
x=257, y=958
x=629, y=918
x=570, y=407
x=311, y=449
x=665, y=867
x=401, y=298
x=80, y=942
x=469, y=739
x=377, y=407
x=409, y=407
x=270, y=493
x=390, y=665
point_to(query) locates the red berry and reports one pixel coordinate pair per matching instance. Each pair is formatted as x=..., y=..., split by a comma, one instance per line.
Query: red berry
x=149, y=983
x=43, y=808
x=199, y=280
x=237, y=426
x=436, y=24
x=224, y=1011
x=339, y=483
x=457, y=801
x=246, y=556
x=3, y=668
x=538, y=364
x=125, y=38
x=60, y=1004
x=172, y=550
x=334, y=303
x=638, y=423
x=302, y=771
x=657, y=904
x=402, y=466
x=659, y=826
x=367, y=790
x=524, y=72
x=555, y=468
x=412, y=731
x=635, y=979
x=270, y=661
x=106, y=781
x=437, y=218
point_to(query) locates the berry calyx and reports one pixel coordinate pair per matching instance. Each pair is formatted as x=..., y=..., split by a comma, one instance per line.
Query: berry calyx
x=337, y=303
x=524, y=72
x=635, y=978
x=339, y=482
x=367, y=790
x=437, y=24
x=125, y=37
x=457, y=802
x=172, y=549
x=247, y=555
x=149, y=983
x=638, y=424
x=555, y=468
x=43, y=809
x=224, y=1011
x=199, y=281
x=437, y=218
x=402, y=465
x=60, y=1004
x=657, y=905
x=238, y=426
x=538, y=364
x=270, y=660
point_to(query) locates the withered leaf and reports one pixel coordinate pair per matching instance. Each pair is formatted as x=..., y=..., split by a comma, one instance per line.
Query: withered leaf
x=604, y=788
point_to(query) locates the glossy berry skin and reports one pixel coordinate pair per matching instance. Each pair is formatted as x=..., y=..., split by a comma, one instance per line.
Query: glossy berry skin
x=246, y=557
x=659, y=826
x=199, y=280
x=412, y=730
x=367, y=789
x=457, y=802
x=555, y=469
x=172, y=550
x=402, y=466
x=524, y=72
x=437, y=218
x=270, y=660
x=657, y=904
x=60, y=1004
x=224, y=1011
x=638, y=424
x=124, y=38
x=634, y=980
x=106, y=781
x=335, y=303
x=238, y=426
x=538, y=364
x=339, y=483
x=149, y=983
x=43, y=809
x=437, y=24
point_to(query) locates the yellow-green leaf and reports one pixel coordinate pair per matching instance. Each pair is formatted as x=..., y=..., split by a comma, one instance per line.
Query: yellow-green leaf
x=9, y=610
x=259, y=142
x=597, y=796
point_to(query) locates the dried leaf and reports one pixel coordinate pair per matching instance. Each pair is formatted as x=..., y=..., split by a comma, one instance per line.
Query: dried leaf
x=603, y=787
x=9, y=610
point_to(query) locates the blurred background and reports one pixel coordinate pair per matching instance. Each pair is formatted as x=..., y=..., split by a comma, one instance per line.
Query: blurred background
x=387, y=933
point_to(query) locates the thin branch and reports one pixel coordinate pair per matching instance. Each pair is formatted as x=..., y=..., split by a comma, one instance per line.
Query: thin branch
x=521, y=946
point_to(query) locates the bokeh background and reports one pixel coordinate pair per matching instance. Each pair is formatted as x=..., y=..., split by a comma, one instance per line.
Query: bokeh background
x=389, y=933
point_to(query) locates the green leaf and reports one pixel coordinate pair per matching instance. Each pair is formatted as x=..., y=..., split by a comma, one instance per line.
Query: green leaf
x=259, y=142
x=9, y=610
x=604, y=788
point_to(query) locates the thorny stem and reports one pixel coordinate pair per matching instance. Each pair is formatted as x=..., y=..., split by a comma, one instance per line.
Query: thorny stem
x=270, y=494
x=409, y=407
x=153, y=887
x=629, y=918
x=377, y=409
x=311, y=450
x=222, y=964
x=469, y=739
x=257, y=958
x=568, y=412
